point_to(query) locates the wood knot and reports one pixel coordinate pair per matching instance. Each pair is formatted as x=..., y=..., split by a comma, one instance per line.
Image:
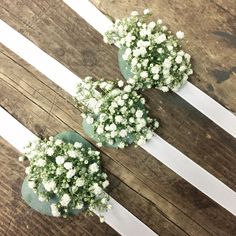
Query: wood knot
x=89, y=58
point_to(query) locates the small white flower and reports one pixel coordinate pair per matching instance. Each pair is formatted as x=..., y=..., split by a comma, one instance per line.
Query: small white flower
x=178, y=59
x=41, y=198
x=125, y=96
x=160, y=39
x=78, y=145
x=96, y=189
x=143, y=32
x=123, y=110
x=180, y=35
x=54, y=210
x=72, y=153
x=104, y=201
x=113, y=127
x=113, y=134
x=141, y=142
x=146, y=11
x=31, y=184
x=118, y=119
x=127, y=88
x=170, y=47
x=187, y=56
x=68, y=165
x=89, y=120
x=167, y=63
x=65, y=200
x=131, y=120
x=93, y=168
x=27, y=170
x=50, y=151
x=164, y=88
x=131, y=81
x=100, y=129
x=151, y=25
x=60, y=160
x=182, y=68
x=121, y=145
x=136, y=52
x=40, y=162
x=142, y=51
x=120, y=83
x=134, y=13
x=105, y=183
x=58, y=142
x=144, y=74
x=79, y=205
x=139, y=113
x=79, y=182
x=149, y=135
x=134, y=62
x=49, y=185
x=21, y=158
x=123, y=133
x=121, y=102
x=70, y=173
x=156, y=124
x=190, y=71
x=155, y=69
x=59, y=171
x=156, y=77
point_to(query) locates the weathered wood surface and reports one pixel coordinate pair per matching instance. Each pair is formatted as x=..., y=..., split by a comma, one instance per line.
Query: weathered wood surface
x=156, y=195
x=16, y=218
x=59, y=31
x=210, y=30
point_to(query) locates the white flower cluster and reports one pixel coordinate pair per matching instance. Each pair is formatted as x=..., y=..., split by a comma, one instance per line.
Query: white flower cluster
x=116, y=113
x=152, y=52
x=71, y=173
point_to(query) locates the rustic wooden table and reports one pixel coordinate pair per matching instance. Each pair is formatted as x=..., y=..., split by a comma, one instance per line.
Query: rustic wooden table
x=156, y=195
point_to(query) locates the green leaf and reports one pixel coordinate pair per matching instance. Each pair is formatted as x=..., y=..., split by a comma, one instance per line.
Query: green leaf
x=44, y=208
x=72, y=137
x=125, y=68
x=32, y=200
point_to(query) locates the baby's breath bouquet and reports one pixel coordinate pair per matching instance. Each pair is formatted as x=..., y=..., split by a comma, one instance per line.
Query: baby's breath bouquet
x=150, y=56
x=114, y=114
x=64, y=178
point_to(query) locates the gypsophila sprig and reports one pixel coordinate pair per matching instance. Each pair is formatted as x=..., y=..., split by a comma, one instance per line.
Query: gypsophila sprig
x=153, y=54
x=115, y=111
x=69, y=172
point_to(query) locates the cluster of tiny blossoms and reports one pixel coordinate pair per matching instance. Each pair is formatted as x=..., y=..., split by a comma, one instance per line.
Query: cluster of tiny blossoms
x=153, y=53
x=116, y=112
x=71, y=173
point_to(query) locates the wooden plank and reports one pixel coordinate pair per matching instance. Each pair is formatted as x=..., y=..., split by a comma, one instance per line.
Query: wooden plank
x=169, y=193
x=210, y=32
x=18, y=219
x=65, y=36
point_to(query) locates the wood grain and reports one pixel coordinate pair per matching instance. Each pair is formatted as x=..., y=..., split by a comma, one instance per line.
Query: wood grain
x=65, y=36
x=210, y=30
x=16, y=218
x=169, y=204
